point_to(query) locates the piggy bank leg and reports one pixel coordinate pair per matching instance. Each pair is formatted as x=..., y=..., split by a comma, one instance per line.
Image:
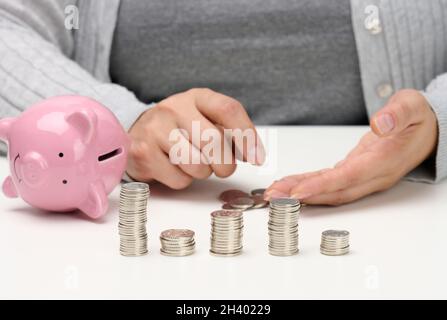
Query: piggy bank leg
x=97, y=202
x=9, y=189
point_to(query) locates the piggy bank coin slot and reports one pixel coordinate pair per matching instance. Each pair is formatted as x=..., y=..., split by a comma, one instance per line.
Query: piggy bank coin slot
x=110, y=155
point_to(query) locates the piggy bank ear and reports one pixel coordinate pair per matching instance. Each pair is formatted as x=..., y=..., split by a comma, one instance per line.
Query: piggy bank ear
x=85, y=122
x=5, y=126
x=96, y=204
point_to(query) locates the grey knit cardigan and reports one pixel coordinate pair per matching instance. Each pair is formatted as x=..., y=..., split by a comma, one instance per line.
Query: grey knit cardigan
x=400, y=43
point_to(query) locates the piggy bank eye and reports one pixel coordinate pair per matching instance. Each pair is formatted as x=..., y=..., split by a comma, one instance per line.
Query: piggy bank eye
x=64, y=181
x=61, y=155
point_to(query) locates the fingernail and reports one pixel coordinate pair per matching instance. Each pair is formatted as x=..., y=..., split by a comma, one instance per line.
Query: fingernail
x=385, y=123
x=301, y=196
x=256, y=155
x=276, y=194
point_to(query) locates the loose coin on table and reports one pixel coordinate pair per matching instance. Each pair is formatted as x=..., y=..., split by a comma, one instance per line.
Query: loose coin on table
x=234, y=199
x=334, y=242
x=242, y=203
x=177, y=242
x=226, y=233
x=283, y=226
x=133, y=218
x=229, y=195
x=259, y=202
x=258, y=192
x=228, y=207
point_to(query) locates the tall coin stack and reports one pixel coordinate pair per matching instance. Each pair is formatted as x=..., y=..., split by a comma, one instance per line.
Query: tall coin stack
x=133, y=218
x=283, y=226
x=226, y=233
x=334, y=242
x=177, y=242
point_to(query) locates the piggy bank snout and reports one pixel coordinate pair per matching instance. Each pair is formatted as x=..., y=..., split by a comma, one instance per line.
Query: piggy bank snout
x=33, y=169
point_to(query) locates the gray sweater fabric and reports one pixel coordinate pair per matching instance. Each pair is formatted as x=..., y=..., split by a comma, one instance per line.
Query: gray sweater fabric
x=40, y=57
x=400, y=44
x=288, y=62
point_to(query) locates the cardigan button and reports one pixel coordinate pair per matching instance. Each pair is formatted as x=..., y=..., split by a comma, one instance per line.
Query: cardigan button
x=376, y=28
x=384, y=90
x=372, y=21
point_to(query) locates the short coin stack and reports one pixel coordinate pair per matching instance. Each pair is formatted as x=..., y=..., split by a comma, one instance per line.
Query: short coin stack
x=334, y=242
x=177, y=242
x=226, y=233
x=133, y=218
x=283, y=226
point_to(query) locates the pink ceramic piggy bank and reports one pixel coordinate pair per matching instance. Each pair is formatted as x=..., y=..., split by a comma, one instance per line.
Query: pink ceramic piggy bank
x=65, y=153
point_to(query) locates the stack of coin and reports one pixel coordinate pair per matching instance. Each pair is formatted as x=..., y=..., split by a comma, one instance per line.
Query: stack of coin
x=334, y=242
x=226, y=233
x=283, y=226
x=177, y=242
x=133, y=218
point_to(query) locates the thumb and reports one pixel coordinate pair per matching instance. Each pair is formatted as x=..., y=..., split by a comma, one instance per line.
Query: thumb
x=402, y=111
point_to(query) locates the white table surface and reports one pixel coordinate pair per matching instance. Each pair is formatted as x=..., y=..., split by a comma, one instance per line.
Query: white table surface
x=398, y=241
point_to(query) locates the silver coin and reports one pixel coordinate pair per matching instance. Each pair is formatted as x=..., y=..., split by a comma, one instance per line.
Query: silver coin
x=258, y=192
x=227, y=230
x=183, y=254
x=133, y=218
x=177, y=233
x=136, y=187
x=228, y=207
x=177, y=242
x=334, y=246
x=226, y=233
x=259, y=202
x=284, y=202
x=226, y=214
x=226, y=221
x=283, y=227
x=334, y=242
x=130, y=254
x=335, y=233
x=243, y=203
x=340, y=252
x=179, y=247
x=283, y=253
x=231, y=194
x=219, y=254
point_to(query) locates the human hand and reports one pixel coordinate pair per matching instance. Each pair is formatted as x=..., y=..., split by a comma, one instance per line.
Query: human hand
x=403, y=134
x=149, y=152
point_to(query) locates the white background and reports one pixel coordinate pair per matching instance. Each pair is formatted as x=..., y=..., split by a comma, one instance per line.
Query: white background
x=398, y=241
